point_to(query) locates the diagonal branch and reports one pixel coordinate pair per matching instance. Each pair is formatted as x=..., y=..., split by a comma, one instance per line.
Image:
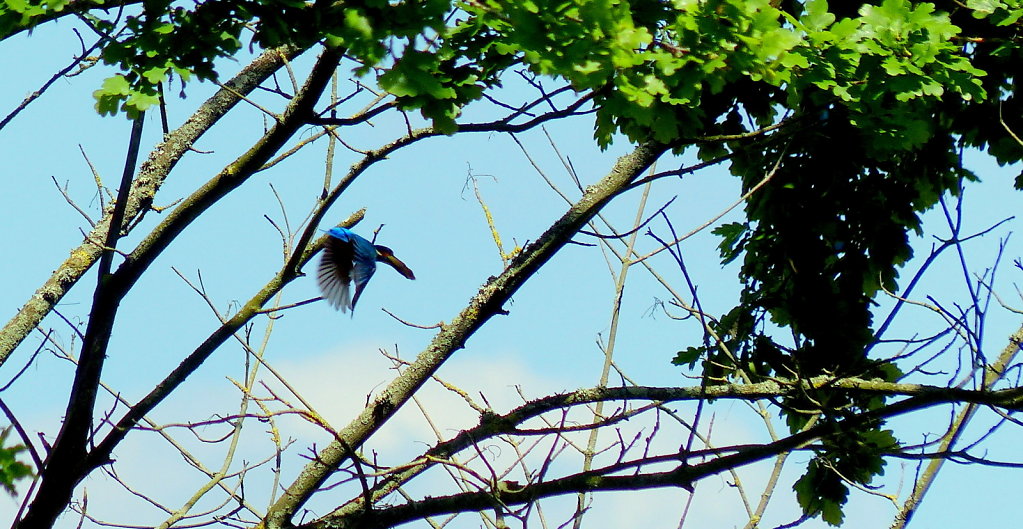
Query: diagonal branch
x=992, y=374
x=487, y=302
x=73, y=7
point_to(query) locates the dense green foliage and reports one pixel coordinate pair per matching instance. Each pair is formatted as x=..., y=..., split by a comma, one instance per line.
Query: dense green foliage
x=856, y=113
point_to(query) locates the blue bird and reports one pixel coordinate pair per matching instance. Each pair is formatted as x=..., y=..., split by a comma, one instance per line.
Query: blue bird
x=347, y=256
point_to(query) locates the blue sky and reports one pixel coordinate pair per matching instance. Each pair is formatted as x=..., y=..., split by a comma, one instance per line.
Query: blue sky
x=548, y=342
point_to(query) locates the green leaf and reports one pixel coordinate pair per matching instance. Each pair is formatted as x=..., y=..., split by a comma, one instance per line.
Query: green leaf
x=983, y=8
x=794, y=60
x=156, y=74
x=889, y=372
x=689, y=356
x=776, y=42
x=880, y=439
x=589, y=67
x=414, y=75
x=821, y=492
x=11, y=470
x=816, y=16
x=731, y=235
x=140, y=101
x=356, y=21
x=116, y=85
x=109, y=97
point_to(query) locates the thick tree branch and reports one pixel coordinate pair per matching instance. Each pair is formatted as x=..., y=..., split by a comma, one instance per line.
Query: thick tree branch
x=73, y=7
x=499, y=498
x=63, y=465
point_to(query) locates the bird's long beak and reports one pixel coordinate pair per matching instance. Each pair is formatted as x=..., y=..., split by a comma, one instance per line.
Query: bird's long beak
x=396, y=263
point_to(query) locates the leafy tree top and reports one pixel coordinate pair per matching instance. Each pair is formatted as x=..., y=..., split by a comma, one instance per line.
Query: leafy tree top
x=658, y=69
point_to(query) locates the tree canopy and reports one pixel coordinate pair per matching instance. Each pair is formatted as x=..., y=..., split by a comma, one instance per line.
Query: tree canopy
x=843, y=123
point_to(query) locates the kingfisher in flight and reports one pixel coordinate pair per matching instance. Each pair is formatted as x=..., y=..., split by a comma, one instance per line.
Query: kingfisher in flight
x=347, y=256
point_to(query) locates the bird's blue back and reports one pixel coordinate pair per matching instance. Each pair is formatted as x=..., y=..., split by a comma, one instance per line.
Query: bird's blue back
x=365, y=252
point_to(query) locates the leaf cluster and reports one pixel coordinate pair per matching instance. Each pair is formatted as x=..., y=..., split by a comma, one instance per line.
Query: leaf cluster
x=11, y=470
x=880, y=104
x=165, y=39
x=854, y=457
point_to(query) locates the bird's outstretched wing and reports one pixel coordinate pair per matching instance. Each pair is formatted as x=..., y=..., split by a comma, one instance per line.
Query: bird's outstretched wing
x=335, y=273
x=346, y=257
